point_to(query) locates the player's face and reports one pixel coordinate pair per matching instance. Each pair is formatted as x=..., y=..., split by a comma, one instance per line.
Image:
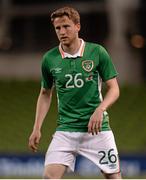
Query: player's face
x=66, y=30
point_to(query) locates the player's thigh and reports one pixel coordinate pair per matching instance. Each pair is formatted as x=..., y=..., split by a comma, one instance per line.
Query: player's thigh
x=66, y=158
x=54, y=171
x=62, y=150
x=101, y=149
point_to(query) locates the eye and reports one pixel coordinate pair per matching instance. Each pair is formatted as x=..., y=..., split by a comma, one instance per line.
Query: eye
x=57, y=27
x=66, y=26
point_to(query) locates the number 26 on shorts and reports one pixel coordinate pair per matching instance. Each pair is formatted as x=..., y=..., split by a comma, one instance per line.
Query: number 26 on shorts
x=107, y=157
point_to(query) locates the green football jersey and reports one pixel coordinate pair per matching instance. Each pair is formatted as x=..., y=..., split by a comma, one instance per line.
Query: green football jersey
x=78, y=85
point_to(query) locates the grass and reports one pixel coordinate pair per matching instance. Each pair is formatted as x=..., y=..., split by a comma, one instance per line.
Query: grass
x=18, y=101
x=128, y=119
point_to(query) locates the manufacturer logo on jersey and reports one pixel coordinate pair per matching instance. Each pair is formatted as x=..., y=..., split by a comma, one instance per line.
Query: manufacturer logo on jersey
x=58, y=70
x=88, y=65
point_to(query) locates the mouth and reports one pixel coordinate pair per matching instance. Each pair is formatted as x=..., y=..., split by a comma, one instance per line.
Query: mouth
x=63, y=38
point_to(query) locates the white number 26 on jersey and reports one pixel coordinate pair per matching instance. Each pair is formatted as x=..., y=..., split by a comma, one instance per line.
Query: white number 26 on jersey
x=74, y=81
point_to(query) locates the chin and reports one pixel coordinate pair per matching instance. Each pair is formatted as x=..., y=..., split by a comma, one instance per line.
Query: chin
x=66, y=43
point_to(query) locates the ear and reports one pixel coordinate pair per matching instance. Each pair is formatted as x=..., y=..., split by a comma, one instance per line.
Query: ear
x=78, y=27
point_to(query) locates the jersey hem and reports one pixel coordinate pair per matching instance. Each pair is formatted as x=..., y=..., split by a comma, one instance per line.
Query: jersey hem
x=79, y=130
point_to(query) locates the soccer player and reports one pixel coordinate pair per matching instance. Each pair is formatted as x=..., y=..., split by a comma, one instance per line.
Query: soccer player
x=77, y=68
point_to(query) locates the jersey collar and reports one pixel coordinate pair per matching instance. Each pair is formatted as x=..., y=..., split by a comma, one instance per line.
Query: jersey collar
x=78, y=54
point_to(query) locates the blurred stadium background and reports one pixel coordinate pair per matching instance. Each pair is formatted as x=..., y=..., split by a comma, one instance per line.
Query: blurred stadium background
x=25, y=34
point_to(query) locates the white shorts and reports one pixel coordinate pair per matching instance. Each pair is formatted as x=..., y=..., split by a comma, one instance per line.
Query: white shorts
x=100, y=149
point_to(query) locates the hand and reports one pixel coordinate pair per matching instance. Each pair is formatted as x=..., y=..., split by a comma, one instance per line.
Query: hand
x=95, y=121
x=34, y=140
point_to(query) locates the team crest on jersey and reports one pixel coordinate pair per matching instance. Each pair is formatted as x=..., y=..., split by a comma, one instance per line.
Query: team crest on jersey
x=88, y=65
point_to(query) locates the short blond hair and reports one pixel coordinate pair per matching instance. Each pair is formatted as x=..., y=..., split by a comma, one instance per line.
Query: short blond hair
x=70, y=12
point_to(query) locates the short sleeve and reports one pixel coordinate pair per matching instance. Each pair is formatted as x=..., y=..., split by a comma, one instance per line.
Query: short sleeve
x=47, y=79
x=106, y=68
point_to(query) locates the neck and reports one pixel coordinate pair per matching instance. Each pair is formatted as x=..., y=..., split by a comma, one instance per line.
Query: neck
x=73, y=47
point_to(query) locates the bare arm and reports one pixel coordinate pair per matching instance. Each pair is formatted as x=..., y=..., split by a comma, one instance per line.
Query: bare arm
x=43, y=105
x=111, y=96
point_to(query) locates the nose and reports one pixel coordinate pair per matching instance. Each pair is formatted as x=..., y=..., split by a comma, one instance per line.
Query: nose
x=62, y=30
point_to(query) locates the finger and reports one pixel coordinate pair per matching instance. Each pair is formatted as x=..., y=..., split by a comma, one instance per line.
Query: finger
x=37, y=140
x=100, y=122
x=33, y=148
x=93, y=132
x=92, y=126
x=100, y=125
x=93, y=129
x=96, y=128
x=89, y=127
x=32, y=145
